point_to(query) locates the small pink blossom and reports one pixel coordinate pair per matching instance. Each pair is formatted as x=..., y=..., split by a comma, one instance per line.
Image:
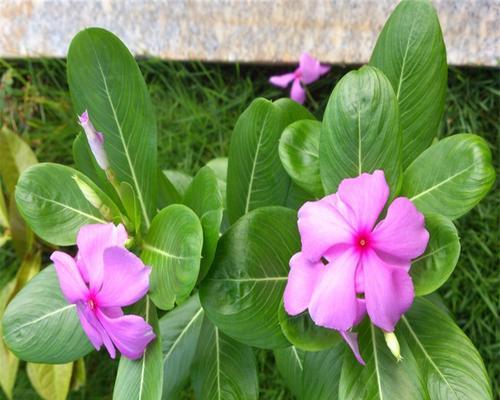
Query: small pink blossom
x=103, y=278
x=350, y=264
x=308, y=71
x=95, y=140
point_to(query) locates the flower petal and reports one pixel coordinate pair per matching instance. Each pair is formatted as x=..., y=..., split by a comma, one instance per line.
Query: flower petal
x=310, y=68
x=72, y=285
x=282, y=80
x=322, y=224
x=130, y=333
x=402, y=234
x=388, y=291
x=366, y=196
x=88, y=322
x=92, y=240
x=125, y=278
x=334, y=303
x=297, y=93
x=351, y=339
x=302, y=280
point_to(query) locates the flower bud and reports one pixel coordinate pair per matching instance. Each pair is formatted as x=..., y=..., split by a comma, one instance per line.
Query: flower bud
x=392, y=343
x=95, y=140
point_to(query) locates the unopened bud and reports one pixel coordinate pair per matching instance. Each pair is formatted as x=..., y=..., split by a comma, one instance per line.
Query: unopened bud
x=93, y=198
x=392, y=343
x=95, y=140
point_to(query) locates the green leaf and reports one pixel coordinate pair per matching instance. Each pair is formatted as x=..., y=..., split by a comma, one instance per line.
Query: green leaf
x=49, y=199
x=79, y=376
x=299, y=154
x=22, y=236
x=410, y=51
x=40, y=326
x=180, y=330
x=243, y=291
x=255, y=176
x=179, y=180
x=131, y=206
x=51, y=382
x=104, y=79
x=142, y=379
x=450, y=177
x=435, y=266
x=311, y=375
x=223, y=368
x=173, y=248
x=167, y=193
x=383, y=377
x=8, y=361
x=219, y=166
x=4, y=214
x=86, y=163
x=204, y=198
x=439, y=361
x=17, y=156
x=304, y=334
x=360, y=131
x=450, y=364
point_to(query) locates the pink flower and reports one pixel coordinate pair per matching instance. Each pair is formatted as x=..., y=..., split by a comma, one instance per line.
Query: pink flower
x=103, y=278
x=351, y=265
x=309, y=70
x=95, y=140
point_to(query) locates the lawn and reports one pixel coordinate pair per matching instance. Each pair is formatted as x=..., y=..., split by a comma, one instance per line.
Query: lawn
x=196, y=108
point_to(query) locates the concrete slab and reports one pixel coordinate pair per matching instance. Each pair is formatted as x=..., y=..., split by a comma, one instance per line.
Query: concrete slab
x=335, y=31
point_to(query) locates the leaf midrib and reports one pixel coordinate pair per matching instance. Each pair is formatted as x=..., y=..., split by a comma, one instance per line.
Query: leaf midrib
x=254, y=164
x=181, y=335
x=434, y=187
x=122, y=139
x=77, y=211
x=149, y=247
x=36, y=321
x=375, y=357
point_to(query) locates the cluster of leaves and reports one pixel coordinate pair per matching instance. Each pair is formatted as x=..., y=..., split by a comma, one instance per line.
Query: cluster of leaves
x=382, y=116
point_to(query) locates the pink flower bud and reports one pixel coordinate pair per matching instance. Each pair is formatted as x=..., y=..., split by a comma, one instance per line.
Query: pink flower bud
x=95, y=140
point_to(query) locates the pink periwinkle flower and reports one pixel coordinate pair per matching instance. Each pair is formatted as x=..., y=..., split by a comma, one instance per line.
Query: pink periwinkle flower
x=103, y=278
x=308, y=71
x=350, y=264
x=95, y=140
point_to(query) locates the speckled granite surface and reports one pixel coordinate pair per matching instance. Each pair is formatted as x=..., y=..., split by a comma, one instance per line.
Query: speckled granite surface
x=336, y=31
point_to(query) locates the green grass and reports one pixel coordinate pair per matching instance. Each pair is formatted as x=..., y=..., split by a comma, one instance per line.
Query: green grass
x=197, y=106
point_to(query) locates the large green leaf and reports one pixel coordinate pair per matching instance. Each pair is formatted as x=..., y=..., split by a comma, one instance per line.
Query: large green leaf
x=53, y=204
x=223, y=368
x=439, y=361
x=16, y=157
x=179, y=181
x=104, y=79
x=311, y=375
x=435, y=266
x=299, y=154
x=411, y=52
x=173, y=248
x=255, y=176
x=142, y=379
x=304, y=334
x=450, y=177
x=450, y=364
x=180, y=330
x=361, y=130
x=40, y=326
x=205, y=199
x=244, y=289
x=383, y=377
x=51, y=382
